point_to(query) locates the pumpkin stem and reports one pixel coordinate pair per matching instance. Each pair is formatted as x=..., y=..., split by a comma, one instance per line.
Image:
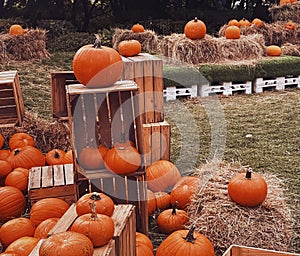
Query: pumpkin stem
x=95, y=196
x=56, y=154
x=190, y=235
x=97, y=43
x=195, y=19
x=249, y=174
x=93, y=210
x=174, y=208
x=17, y=151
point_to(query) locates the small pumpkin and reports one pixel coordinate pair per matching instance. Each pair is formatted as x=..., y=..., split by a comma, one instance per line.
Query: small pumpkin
x=129, y=48
x=186, y=242
x=15, y=229
x=96, y=65
x=258, y=22
x=142, y=250
x=16, y=29
x=284, y=2
x=151, y=199
x=12, y=203
x=44, y=227
x=232, y=32
x=290, y=25
x=137, y=28
x=92, y=158
x=20, y=139
x=248, y=189
x=18, y=178
x=195, y=29
x=68, y=157
x=47, y=208
x=67, y=243
x=99, y=228
x=233, y=22
x=244, y=22
x=4, y=153
x=5, y=168
x=143, y=239
x=161, y=175
x=2, y=141
x=55, y=156
x=163, y=200
x=122, y=158
x=23, y=246
x=274, y=50
x=104, y=204
x=171, y=220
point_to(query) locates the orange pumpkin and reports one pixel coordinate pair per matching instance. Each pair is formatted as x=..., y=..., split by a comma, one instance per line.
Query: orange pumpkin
x=284, y=2
x=54, y=156
x=19, y=140
x=163, y=200
x=290, y=25
x=233, y=22
x=274, y=50
x=47, y=208
x=129, y=48
x=137, y=28
x=5, y=168
x=4, y=154
x=122, y=158
x=142, y=250
x=195, y=29
x=9, y=254
x=232, y=32
x=15, y=229
x=2, y=141
x=12, y=203
x=18, y=178
x=44, y=227
x=16, y=29
x=104, y=204
x=23, y=246
x=244, y=23
x=68, y=157
x=151, y=199
x=161, y=175
x=92, y=158
x=258, y=22
x=97, y=65
x=143, y=239
x=67, y=243
x=182, y=241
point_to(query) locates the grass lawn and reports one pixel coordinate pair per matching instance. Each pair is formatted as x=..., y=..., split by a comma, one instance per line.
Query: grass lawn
x=258, y=130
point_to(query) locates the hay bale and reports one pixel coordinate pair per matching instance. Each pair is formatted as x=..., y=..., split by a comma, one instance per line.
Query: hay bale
x=291, y=49
x=29, y=46
x=148, y=39
x=286, y=12
x=269, y=226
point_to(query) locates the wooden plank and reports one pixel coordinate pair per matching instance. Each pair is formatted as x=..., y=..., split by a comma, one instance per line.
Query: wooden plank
x=35, y=251
x=128, y=69
x=47, y=176
x=34, y=179
x=59, y=191
x=148, y=91
x=58, y=175
x=69, y=174
x=155, y=142
x=165, y=130
x=106, y=250
x=145, y=143
x=19, y=99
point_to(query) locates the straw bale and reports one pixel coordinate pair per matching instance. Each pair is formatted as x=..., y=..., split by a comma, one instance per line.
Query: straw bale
x=286, y=12
x=268, y=226
x=291, y=49
x=29, y=46
x=148, y=39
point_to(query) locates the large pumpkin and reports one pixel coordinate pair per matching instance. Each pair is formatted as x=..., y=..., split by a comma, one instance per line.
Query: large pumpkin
x=23, y=245
x=67, y=243
x=44, y=227
x=248, y=189
x=92, y=158
x=187, y=243
x=195, y=29
x=232, y=32
x=143, y=239
x=20, y=139
x=4, y=153
x=47, y=208
x=2, y=141
x=15, y=229
x=5, y=168
x=26, y=157
x=12, y=203
x=163, y=200
x=122, y=158
x=96, y=65
x=161, y=175
x=18, y=178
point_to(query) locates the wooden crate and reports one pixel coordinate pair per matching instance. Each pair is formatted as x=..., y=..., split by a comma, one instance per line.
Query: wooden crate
x=155, y=142
x=125, y=228
x=52, y=181
x=238, y=250
x=11, y=101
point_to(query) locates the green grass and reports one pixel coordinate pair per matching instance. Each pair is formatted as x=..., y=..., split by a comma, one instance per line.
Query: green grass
x=258, y=130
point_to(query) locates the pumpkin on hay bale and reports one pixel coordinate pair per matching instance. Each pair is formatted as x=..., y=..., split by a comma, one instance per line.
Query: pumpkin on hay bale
x=28, y=46
x=148, y=39
x=224, y=222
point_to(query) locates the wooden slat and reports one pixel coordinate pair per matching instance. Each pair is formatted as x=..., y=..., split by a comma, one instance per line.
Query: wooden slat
x=69, y=174
x=19, y=99
x=106, y=250
x=145, y=143
x=155, y=142
x=128, y=69
x=34, y=179
x=165, y=130
x=148, y=90
x=58, y=175
x=47, y=176
x=35, y=251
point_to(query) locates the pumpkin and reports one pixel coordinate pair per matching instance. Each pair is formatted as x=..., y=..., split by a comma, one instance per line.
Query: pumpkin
x=99, y=228
x=142, y=250
x=20, y=139
x=9, y=254
x=143, y=239
x=47, y=208
x=16, y=29
x=284, y=2
x=104, y=204
x=18, y=178
x=258, y=22
x=151, y=199
x=195, y=29
x=129, y=48
x=290, y=25
x=12, y=203
x=2, y=141
x=68, y=157
x=186, y=242
x=274, y=50
x=23, y=246
x=183, y=191
x=67, y=243
x=96, y=65
x=137, y=28
x=233, y=22
x=163, y=200
x=244, y=22
x=232, y=32
x=44, y=227
x=5, y=168
x=162, y=174
x=4, y=154
x=122, y=158
x=54, y=156
x=92, y=158
x=26, y=157
x=172, y=219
